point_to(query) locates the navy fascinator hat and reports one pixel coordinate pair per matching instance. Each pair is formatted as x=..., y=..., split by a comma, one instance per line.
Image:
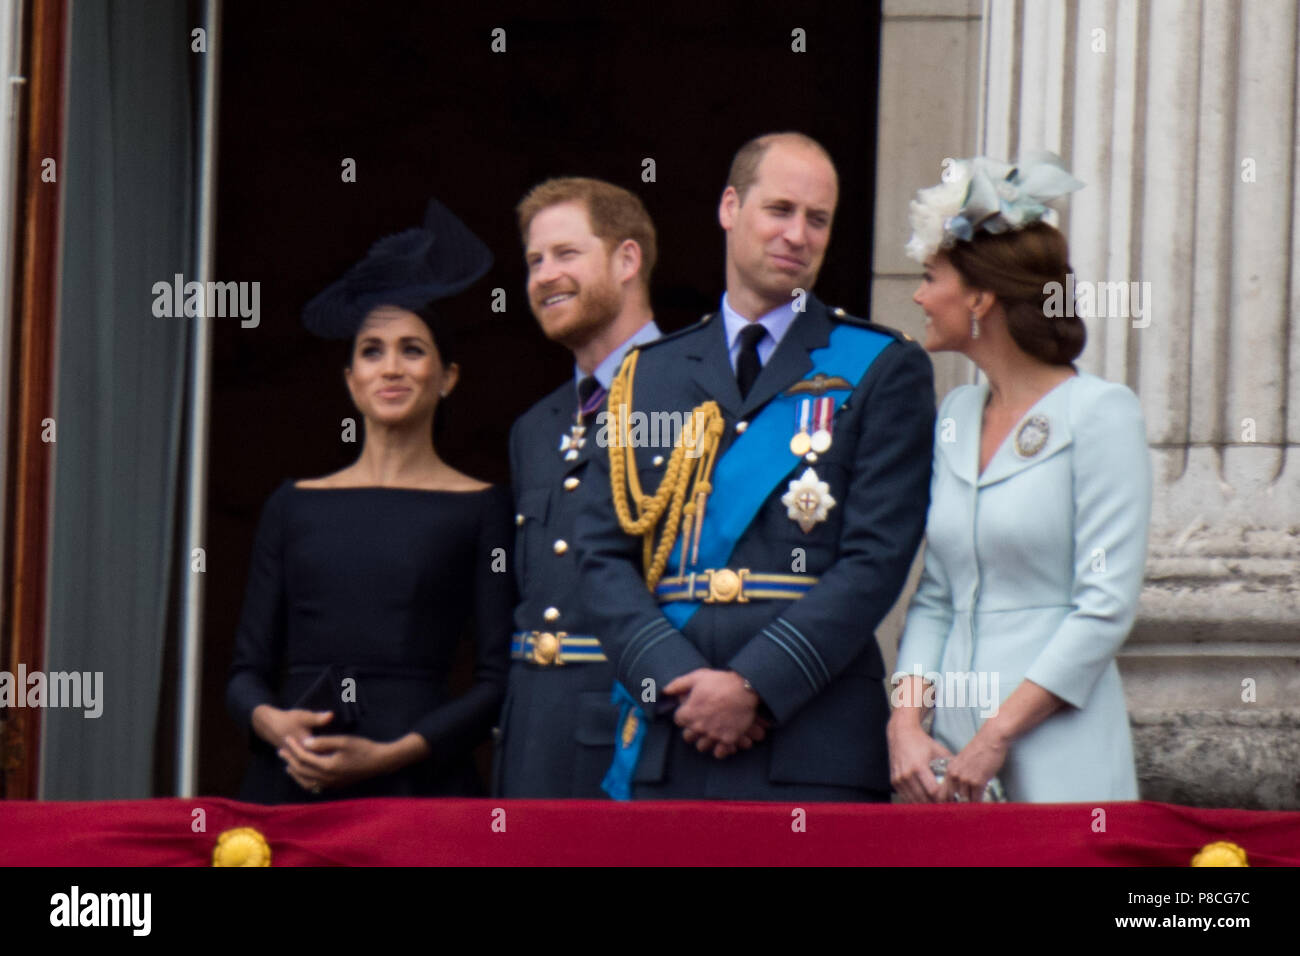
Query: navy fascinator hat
x=409, y=270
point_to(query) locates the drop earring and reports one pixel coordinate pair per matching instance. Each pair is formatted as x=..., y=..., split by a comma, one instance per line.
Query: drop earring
x=974, y=326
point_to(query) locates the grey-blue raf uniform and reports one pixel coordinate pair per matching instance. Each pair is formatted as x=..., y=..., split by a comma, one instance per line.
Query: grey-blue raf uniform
x=814, y=662
x=557, y=724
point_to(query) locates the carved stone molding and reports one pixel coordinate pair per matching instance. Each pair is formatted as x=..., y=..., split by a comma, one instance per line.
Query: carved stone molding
x=1248, y=759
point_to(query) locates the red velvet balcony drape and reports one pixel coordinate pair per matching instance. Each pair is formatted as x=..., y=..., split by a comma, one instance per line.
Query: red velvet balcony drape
x=522, y=832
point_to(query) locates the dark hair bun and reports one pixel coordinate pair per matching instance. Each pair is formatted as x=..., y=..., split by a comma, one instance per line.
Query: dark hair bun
x=1019, y=267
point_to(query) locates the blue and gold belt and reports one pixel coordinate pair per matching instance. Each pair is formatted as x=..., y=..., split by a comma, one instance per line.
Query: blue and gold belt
x=725, y=586
x=555, y=649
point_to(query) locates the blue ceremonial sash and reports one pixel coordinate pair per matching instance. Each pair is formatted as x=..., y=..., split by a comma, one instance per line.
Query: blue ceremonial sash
x=756, y=462
x=618, y=779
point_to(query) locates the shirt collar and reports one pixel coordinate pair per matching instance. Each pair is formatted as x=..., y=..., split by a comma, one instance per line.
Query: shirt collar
x=777, y=322
x=605, y=370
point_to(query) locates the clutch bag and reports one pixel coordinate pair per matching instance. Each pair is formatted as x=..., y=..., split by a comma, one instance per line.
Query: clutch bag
x=993, y=792
x=327, y=692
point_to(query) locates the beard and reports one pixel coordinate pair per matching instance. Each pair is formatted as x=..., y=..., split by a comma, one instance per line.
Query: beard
x=588, y=313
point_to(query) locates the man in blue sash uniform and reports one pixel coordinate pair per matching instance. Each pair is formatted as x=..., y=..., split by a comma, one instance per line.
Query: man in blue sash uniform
x=589, y=247
x=738, y=579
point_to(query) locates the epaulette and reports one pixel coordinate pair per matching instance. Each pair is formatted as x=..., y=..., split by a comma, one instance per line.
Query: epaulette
x=678, y=334
x=839, y=315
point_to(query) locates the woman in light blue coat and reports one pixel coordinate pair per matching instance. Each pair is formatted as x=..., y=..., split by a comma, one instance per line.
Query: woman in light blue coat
x=1037, y=532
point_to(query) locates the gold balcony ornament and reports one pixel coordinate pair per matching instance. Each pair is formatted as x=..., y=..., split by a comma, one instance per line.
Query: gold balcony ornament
x=1221, y=853
x=242, y=846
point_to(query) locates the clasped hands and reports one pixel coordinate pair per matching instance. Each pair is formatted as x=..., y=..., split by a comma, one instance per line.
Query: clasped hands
x=911, y=749
x=318, y=763
x=716, y=712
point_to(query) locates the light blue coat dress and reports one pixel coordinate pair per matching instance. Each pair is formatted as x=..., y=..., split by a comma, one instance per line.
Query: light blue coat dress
x=1032, y=572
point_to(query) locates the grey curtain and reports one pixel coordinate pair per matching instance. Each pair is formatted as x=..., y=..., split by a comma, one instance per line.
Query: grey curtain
x=128, y=182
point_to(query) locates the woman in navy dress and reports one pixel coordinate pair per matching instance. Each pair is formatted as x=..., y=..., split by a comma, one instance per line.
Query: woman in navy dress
x=363, y=581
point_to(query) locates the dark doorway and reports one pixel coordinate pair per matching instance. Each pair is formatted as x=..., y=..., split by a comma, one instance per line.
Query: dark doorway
x=414, y=93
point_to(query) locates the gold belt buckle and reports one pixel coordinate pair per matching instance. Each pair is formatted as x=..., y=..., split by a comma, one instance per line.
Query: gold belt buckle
x=726, y=586
x=546, y=648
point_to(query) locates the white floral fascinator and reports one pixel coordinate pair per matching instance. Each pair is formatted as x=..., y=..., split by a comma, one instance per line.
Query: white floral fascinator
x=988, y=194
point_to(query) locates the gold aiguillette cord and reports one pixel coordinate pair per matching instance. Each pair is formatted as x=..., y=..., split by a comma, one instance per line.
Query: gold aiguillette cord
x=702, y=434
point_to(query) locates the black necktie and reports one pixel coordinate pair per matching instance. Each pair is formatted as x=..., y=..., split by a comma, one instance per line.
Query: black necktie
x=588, y=399
x=747, y=364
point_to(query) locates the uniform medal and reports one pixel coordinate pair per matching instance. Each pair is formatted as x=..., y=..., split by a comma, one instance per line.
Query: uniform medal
x=807, y=500
x=824, y=408
x=572, y=443
x=813, y=416
x=801, y=443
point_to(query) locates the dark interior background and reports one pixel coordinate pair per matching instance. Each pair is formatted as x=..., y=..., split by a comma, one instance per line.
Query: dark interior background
x=413, y=93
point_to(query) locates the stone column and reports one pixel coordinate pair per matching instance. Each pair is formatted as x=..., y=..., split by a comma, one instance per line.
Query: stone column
x=929, y=70
x=929, y=106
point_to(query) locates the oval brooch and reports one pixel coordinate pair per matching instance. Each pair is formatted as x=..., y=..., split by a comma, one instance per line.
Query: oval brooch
x=1031, y=436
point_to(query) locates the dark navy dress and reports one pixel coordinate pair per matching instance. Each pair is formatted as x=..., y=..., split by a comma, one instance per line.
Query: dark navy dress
x=379, y=584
